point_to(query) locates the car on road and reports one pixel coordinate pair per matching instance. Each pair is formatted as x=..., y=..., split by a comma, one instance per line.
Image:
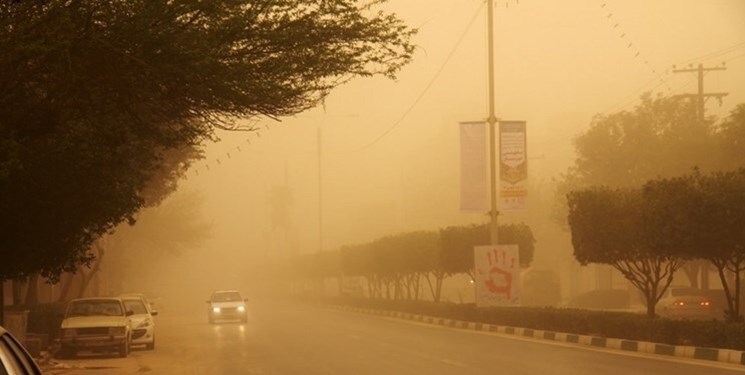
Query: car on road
x=141, y=320
x=684, y=302
x=226, y=305
x=14, y=358
x=99, y=324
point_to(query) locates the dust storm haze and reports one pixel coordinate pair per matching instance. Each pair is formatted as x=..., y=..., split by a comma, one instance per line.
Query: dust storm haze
x=389, y=150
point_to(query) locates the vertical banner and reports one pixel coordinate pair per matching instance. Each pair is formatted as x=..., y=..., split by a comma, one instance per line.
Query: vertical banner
x=474, y=168
x=497, y=273
x=513, y=166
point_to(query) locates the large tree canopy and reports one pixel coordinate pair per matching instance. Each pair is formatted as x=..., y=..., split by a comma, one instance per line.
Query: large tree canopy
x=617, y=227
x=704, y=218
x=95, y=96
x=733, y=138
x=661, y=137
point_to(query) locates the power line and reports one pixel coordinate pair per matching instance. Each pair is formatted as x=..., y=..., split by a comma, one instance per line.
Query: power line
x=714, y=54
x=630, y=45
x=663, y=78
x=428, y=86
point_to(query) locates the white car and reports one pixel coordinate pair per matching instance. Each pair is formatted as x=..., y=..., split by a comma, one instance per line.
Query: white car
x=226, y=305
x=142, y=322
x=686, y=303
x=96, y=324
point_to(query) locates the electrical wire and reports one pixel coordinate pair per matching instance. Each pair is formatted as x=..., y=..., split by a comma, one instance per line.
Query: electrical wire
x=428, y=86
x=714, y=54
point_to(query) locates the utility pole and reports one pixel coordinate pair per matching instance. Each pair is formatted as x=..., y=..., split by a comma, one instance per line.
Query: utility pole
x=701, y=117
x=320, y=194
x=492, y=120
x=701, y=96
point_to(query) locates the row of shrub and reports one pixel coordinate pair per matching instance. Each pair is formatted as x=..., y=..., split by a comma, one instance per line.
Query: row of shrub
x=621, y=325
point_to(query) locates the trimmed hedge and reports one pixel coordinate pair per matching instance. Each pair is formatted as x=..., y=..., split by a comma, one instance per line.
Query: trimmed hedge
x=621, y=325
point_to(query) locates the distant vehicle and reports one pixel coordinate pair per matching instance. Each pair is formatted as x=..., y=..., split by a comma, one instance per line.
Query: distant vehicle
x=142, y=322
x=686, y=303
x=96, y=324
x=14, y=359
x=226, y=305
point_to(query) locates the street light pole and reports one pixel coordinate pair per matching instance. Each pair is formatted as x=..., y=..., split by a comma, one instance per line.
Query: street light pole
x=492, y=120
x=320, y=194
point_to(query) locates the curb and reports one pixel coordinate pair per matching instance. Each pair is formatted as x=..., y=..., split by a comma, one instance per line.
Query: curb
x=694, y=352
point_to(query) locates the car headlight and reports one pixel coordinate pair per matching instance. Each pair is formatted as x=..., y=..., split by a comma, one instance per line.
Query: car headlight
x=242, y=308
x=215, y=309
x=144, y=324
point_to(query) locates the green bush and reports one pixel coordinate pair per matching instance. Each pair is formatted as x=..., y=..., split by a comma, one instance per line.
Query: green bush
x=621, y=325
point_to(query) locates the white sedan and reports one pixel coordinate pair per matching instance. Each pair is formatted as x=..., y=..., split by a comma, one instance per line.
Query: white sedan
x=142, y=321
x=685, y=303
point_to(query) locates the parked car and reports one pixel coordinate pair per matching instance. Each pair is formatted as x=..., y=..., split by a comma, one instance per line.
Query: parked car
x=14, y=358
x=141, y=321
x=96, y=324
x=148, y=302
x=685, y=302
x=226, y=305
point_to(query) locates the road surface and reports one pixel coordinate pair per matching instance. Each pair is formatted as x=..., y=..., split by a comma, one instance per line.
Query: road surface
x=285, y=338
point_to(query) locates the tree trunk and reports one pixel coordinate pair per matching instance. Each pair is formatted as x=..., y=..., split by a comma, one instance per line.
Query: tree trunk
x=692, y=269
x=32, y=292
x=721, y=270
x=66, y=280
x=736, y=316
x=434, y=289
x=17, y=291
x=651, y=304
x=417, y=284
x=87, y=277
x=705, y=275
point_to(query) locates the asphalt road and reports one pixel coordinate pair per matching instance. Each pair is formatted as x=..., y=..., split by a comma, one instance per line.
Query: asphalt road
x=284, y=338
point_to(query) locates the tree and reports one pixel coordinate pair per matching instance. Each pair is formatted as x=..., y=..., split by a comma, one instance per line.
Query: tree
x=458, y=243
x=732, y=138
x=714, y=218
x=615, y=227
x=661, y=137
x=94, y=95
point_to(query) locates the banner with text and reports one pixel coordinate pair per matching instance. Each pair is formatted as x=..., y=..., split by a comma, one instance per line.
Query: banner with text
x=513, y=166
x=474, y=168
x=497, y=273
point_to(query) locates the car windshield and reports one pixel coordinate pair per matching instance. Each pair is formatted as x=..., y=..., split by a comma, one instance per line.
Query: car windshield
x=135, y=305
x=95, y=307
x=226, y=297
